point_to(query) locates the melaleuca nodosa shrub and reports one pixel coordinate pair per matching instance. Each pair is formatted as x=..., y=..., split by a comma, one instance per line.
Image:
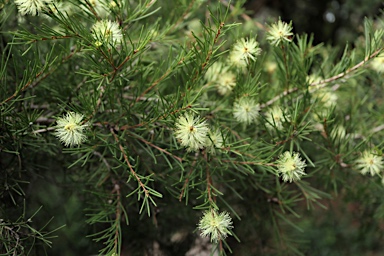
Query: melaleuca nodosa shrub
x=162, y=121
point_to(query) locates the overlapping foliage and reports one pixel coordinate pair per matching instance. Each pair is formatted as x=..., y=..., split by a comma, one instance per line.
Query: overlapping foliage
x=138, y=126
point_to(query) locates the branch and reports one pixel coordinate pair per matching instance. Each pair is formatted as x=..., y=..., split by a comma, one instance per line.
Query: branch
x=341, y=75
x=129, y=164
x=243, y=15
x=324, y=82
x=158, y=148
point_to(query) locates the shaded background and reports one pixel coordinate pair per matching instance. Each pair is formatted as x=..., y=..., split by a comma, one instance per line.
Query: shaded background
x=331, y=21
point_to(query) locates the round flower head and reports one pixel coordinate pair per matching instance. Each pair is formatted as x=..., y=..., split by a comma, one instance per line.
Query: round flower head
x=215, y=225
x=214, y=72
x=369, y=162
x=226, y=83
x=106, y=31
x=65, y=7
x=243, y=51
x=327, y=97
x=275, y=117
x=192, y=132
x=223, y=79
x=246, y=110
x=279, y=32
x=33, y=7
x=214, y=140
x=338, y=133
x=290, y=166
x=97, y=6
x=69, y=129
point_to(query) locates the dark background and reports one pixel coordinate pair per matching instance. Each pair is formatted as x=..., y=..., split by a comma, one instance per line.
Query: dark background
x=331, y=21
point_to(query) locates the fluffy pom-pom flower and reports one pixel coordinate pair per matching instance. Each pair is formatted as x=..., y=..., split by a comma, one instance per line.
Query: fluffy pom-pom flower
x=243, y=51
x=106, y=31
x=246, y=110
x=279, y=32
x=33, y=7
x=290, y=166
x=70, y=130
x=275, y=118
x=214, y=140
x=216, y=226
x=370, y=163
x=192, y=132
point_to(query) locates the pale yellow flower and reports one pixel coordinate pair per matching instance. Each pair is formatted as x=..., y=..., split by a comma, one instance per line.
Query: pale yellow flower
x=32, y=7
x=219, y=75
x=214, y=140
x=327, y=97
x=106, y=31
x=370, y=162
x=216, y=226
x=279, y=32
x=338, y=132
x=226, y=83
x=275, y=118
x=290, y=166
x=100, y=7
x=246, y=110
x=70, y=130
x=214, y=71
x=243, y=51
x=192, y=132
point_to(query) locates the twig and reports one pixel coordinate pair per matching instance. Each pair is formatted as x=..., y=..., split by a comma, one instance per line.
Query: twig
x=183, y=16
x=116, y=188
x=146, y=192
x=341, y=75
x=43, y=130
x=248, y=162
x=209, y=184
x=154, y=84
x=188, y=175
x=160, y=149
x=325, y=81
x=243, y=15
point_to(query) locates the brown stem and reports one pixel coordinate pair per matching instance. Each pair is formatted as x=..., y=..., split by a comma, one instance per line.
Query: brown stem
x=146, y=192
x=325, y=81
x=188, y=175
x=243, y=15
x=160, y=149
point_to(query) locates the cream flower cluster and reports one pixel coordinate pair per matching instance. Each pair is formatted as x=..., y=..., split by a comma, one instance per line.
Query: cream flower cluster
x=32, y=7
x=194, y=134
x=370, y=163
x=279, y=32
x=216, y=226
x=221, y=77
x=107, y=32
x=246, y=110
x=70, y=130
x=290, y=166
x=275, y=118
x=244, y=51
x=215, y=140
x=327, y=97
x=338, y=133
x=98, y=6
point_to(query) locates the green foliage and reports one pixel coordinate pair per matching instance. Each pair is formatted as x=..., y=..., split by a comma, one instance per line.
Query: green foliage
x=158, y=79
